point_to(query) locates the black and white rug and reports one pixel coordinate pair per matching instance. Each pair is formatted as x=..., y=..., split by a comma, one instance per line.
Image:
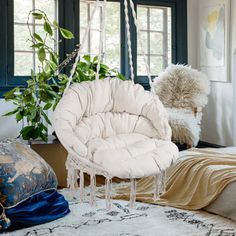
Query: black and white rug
x=143, y=220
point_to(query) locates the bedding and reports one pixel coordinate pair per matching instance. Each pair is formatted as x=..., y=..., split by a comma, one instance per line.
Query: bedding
x=225, y=203
x=222, y=203
x=196, y=181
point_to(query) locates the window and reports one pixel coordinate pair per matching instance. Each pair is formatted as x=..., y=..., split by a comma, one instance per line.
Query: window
x=24, y=56
x=111, y=42
x=163, y=25
x=155, y=35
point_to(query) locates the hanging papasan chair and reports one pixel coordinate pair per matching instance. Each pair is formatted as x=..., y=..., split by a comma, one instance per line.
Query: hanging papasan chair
x=114, y=128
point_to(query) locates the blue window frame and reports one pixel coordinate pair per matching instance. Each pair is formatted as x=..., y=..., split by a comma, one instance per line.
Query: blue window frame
x=69, y=17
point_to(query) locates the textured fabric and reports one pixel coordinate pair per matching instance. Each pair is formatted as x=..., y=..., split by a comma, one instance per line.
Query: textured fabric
x=197, y=181
x=181, y=86
x=135, y=154
x=142, y=220
x=183, y=90
x=225, y=204
x=95, y=111
x=193, y=182
x=23, y=173
x=38, y=209
x=185, y=126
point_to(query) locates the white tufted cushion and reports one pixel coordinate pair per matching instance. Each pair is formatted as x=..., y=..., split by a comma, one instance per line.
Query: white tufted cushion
x=123, y=118
x=132, y=155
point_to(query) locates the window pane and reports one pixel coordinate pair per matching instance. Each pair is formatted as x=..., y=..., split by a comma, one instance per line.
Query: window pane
x=23, y=63
x=85, y=48
x=156, y=65
x=94, y=41
x=22, y=44
x=141, y=65
x=111, y=42
x=156, y=19
x=144, y=41
x=22, y=9
x=21, y=36
x=83, y=14
x=156, y=43
x=156, y=38
x=48, y=6
x=142, y=18
x=96, y=22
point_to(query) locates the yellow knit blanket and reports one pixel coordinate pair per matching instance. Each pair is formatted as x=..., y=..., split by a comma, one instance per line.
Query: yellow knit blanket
x=192, y=183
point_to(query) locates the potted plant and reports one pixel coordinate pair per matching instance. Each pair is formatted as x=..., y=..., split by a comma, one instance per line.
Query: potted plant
x=46, y=85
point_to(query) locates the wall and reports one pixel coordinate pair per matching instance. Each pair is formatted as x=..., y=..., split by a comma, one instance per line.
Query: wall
x=192, y=32
x=217, y=123
x=8, y=126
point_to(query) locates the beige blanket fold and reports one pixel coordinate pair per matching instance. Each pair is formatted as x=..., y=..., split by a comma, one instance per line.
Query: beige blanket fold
x=193, y=182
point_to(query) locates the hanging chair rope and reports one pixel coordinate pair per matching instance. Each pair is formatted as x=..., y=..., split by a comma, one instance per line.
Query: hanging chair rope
x=134, y=14
x=101, y=51
x=81, y=46
x=102, y=37
x=129, y=40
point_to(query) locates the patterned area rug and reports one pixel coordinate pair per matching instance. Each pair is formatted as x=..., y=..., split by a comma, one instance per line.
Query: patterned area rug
x=143, y=220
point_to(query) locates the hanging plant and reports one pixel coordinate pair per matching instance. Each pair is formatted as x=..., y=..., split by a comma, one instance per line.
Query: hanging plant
x=46, y=85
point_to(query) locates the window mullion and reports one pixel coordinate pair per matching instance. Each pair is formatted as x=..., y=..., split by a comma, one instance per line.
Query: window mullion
x=89, y=32
x=148, y=37
x=3, y=40
x=165, y=38
x=34, y=54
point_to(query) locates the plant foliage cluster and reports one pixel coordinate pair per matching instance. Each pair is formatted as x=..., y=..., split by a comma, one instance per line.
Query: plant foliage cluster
x=45, y=87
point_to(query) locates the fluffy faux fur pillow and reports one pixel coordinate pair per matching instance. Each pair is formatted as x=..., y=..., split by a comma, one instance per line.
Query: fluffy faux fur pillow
x=180, y=86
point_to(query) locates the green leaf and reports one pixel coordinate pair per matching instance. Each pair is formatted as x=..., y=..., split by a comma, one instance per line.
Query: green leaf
x=66, y=33
x=37, y=16
x=10, y=94
x=19, y=116
x=44, y=96
x=55, y=88
x=11, y=112
x=47, y=106
x=27, y=132
x=95, y=59
x=47, y=28
x=53, y=94
x=53, y=57
x=37, y=45
x=37, y=37
x=120, y=76
x=55, y=23
x=43, y=132
x=33, y=114
x=41, y=54
x=46, y=118
x=43, y=136
x=53, y=66
x=87, y=58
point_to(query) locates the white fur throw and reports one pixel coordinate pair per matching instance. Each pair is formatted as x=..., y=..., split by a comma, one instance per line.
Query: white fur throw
x=183, y=90
x=185, y=126
x=180, y=86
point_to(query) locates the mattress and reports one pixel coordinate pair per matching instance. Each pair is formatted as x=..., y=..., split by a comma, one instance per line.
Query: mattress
x=225, y=204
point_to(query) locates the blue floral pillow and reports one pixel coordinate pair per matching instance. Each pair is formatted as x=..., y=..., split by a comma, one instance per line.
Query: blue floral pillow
x=23, y=173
